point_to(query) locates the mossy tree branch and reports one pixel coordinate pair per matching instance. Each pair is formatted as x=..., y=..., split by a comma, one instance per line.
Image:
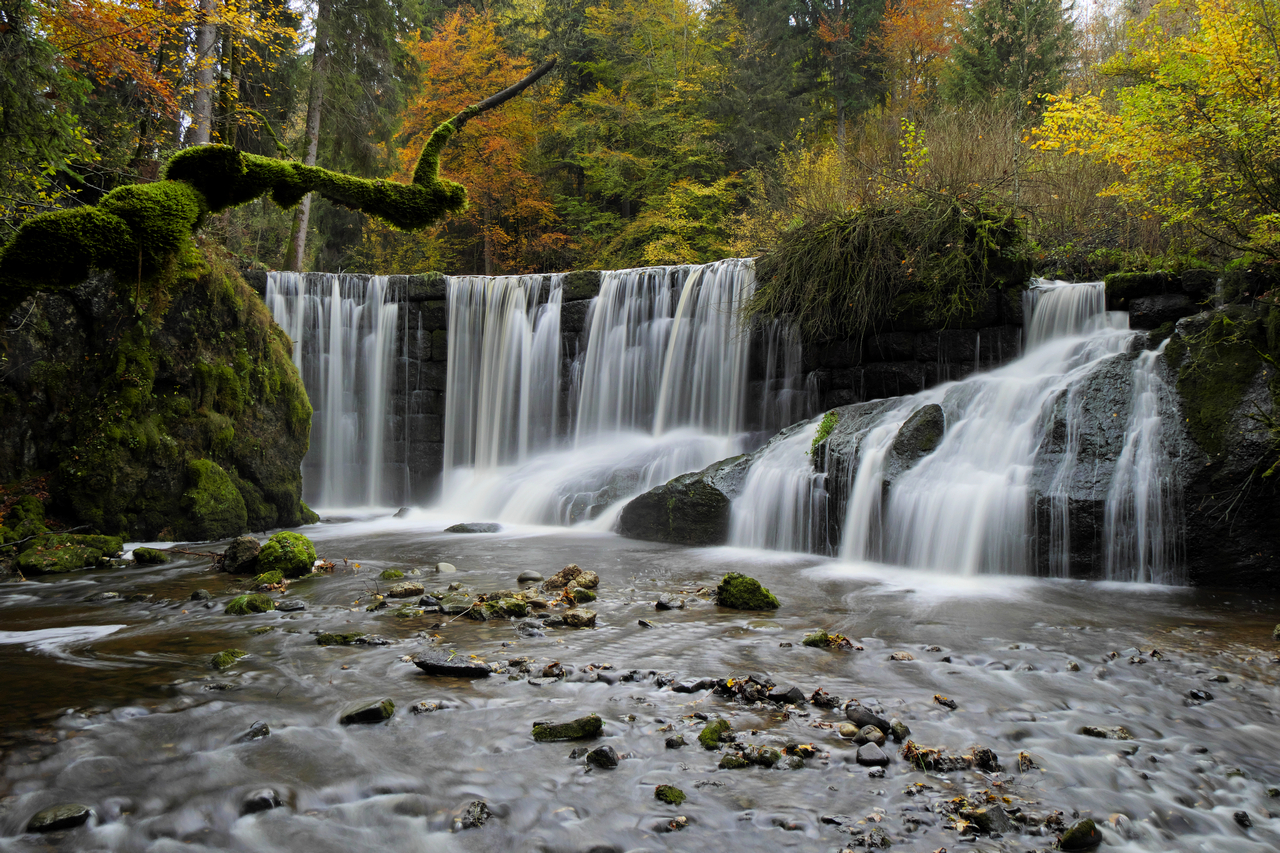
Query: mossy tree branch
x=137, y=230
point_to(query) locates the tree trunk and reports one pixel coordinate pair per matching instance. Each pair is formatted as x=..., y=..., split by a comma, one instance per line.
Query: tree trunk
x=315, y=102
x=206, y=39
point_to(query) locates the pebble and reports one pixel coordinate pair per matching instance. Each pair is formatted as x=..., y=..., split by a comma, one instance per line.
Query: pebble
x=264, y=799
x=605, y=757
x=870, y=755
x=860, y=716
x=1081, y=835
x=902, y=656
x=676, y=741
x=201, y=595
x=529, y=576
x=476, y=814
x=446, y=568
x=848, y=731
x=580, y=617
x=1243, y=819
x=290, y=605
x=869, y=734
x=1108, y=732
x=377, y=711
x=256, y=731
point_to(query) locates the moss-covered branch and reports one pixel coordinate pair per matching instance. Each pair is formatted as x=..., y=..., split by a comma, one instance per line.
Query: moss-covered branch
x=137, y=231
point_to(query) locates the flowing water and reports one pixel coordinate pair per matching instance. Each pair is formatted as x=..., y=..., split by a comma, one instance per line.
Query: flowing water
x=113, y=704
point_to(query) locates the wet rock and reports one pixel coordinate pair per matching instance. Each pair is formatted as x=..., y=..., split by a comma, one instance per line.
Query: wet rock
x=1081, y=835
x=54, y=818
x=669, y=794
x=848, y=731
x=580, y=729
x=291, y=605
x=899, y=730
x=244, y=605
x=52, y=555
x=226, y=658
x=476, y=814
x=446, y=568
x=529, y=576
x=291, y=554
x=712, y=733
x=377, y=711
x=762, y=756
x=605, y=757
x=825, y=640
x=921, y=434
x=676, y=741
x=645, y=623
x=425, y=707
x=261, y=800
x=407, y=589
x=1123, y=827
x=694, y=685
x=822, y=699
x=257, y=731
x=788, y=696
x=1275, y=633
x=684, y=511
x=391, y=575
x=1243, y=820
x=580, y=617
x=902, y=656
x=733, y=761
x=1072, y=666
x=201, y=595
x=667, y=604
x=450, y=664
x=1149, y=312
x=949, y=704
x=1200, y=695
x=402, y=512
x=1107, y=732
x=860, y=717
x=241, y=556
x=474, y=527
x=352, y=638
x=149, y=556
x=104, y=596
x=744, y=593
x=991, y=820
x=870, y=734
x=582, y=596
x=870, y=755
x=562, y=578
x=529, y=630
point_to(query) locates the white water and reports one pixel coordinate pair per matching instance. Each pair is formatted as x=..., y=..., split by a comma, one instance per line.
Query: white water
x=350, y=324
x=968, y=507
x=780, y=506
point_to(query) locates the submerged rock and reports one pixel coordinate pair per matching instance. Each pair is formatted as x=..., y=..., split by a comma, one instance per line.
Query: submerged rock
x=476, y=814
x=744, y=593
x=226, y=658
x=261, y=800
x=60, y=553
x=712, y=733
x=54, y=818
x=377, y=711
x=580, y=729
x=453, y=664
x=257, y=731
x=580, y=617
x=474, y=527
x=329, y=638
x=605, y=757
x=1107, y=732
x=989, y=819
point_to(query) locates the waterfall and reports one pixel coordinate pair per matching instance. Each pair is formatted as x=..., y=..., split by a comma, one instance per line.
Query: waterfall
x=343, y=330
x=1003, y=488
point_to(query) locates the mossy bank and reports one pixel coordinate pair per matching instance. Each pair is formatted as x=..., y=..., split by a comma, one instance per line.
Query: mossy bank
x=165, y=413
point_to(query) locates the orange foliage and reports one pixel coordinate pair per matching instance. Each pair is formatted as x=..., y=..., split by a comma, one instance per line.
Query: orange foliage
x=915, y=37
x=510, y=225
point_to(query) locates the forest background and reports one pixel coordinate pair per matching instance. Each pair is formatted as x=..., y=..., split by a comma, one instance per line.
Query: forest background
x=670, y=131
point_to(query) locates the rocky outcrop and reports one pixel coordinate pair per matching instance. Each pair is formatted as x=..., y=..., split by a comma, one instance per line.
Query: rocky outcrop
x=686, y=511
x=159, y=414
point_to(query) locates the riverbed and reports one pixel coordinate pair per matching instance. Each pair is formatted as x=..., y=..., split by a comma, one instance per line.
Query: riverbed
x=113, y=703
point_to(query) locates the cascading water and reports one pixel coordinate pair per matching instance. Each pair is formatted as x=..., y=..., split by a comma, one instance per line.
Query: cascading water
x=1009, y=460
x=343, y=330
x=659, y=389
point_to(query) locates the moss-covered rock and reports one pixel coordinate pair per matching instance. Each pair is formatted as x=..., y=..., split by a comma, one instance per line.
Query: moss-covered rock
x=329, y=638
x=686, y=511
x=391, y=575
x=213, y=507
x=150, y=556
x=709, y=737
x=740, y=592
x=1081, y=835
x=669, y=794
x=733, y=761
x=580, y=729
x=289, y=553
x=1121, y=287
x=244, y=605
x=58, y=559
x=226, y=658
x=267, y=579
x=241, y=556
x=120, y=388
x=367, y=713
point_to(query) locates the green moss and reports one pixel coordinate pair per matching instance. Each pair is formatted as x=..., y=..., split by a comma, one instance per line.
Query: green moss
x=244, y=605
x=27, y=508
x=212, y=505
x=582, y=596
x=744, y=593
x=267, y=579
x=709, y=737
x=733, y=761
x=1124, y=286
x=226, y=658
x=334, y=639
x=309, y=516
x=291, y=554
x=58, y=559
x=669, y=794
x=391, y=575
x=829, y=421
x=580, y=729
x=149, y=556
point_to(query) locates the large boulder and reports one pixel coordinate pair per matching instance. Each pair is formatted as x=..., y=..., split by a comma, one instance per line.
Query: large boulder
x=291, y=554
x=686, y=511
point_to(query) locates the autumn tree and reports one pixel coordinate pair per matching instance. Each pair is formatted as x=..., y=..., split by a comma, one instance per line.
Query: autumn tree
x=914, y=39
x=1194, y=121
